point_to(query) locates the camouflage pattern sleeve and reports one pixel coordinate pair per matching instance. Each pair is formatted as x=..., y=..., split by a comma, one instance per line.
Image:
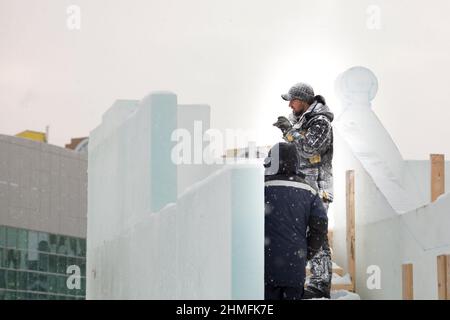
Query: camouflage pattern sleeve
x=316, y=139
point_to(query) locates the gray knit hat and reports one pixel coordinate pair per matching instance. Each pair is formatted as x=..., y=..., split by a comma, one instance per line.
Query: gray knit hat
x=301, y=91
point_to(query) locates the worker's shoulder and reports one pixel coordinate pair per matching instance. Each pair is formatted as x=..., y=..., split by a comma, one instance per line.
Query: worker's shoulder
x=291, y=181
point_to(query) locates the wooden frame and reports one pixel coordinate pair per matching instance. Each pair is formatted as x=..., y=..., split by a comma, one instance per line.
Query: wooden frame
x=407, y=282
x=350, y=206
x=437, y=175
x=330, y=240
x=443, y=277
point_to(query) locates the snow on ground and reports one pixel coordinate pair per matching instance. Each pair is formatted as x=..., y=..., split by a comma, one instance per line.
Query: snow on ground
x=344, y=295
x=336, y=279
x=341, y=295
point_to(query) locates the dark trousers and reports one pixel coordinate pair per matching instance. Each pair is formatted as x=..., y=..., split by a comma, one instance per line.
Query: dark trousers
x=282, y=293
x=321, y=267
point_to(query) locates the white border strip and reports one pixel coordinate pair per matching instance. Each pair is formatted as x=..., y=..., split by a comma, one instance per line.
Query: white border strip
x=295, y=184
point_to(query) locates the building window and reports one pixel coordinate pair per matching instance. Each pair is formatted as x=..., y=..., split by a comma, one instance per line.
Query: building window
x=2, y=279
x=62, y=245
x=2, y=258
x=33, y=241
x=52, y=263
x=53, y=242
x=11, y=237
x=33, y=265
x=22, y=280
x=43, y=262
x=22, y=239
x=43, y=245
x=2, y=236
x=11, y=279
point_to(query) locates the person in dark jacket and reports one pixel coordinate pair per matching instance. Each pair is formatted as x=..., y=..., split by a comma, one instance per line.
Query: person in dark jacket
x=291, y=208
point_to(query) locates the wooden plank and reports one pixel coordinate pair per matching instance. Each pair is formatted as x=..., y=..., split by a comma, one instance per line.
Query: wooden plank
x=348, y=287
x=330, y=239
x=339, y=271
x=437, y=175
x=350, y=238
x=443, y=277
x=407, y=281
x=230, y=153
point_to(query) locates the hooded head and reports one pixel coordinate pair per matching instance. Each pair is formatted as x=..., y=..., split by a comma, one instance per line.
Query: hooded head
x=282, y=159
x=319, y=107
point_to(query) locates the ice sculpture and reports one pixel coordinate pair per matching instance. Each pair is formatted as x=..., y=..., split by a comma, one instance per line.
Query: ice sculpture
x=370, y=142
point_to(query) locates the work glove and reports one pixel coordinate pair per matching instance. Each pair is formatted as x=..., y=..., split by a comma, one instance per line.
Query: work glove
x=289, y=132
x=292, y=135
x=325, y=196
x=283, y=124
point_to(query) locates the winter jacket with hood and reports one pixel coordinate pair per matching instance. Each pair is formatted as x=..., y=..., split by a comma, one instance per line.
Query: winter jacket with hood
x=315, y=145
x=291, y=207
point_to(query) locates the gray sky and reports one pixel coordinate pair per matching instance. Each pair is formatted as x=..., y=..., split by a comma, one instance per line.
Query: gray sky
x=237, y=56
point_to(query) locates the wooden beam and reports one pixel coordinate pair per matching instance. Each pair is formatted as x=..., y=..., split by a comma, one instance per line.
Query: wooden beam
x=348, y=287
x=407, y=281
x=443, y=277
x=437, y=175
x=330, y=239
x=350, y=203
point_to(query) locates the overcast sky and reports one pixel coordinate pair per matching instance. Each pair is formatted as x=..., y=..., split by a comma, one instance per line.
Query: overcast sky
x=237, y=56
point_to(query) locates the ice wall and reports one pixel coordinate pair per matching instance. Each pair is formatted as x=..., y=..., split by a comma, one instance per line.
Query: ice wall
x=421, y=171
x=386, y=238
x=125, y=161
x=395, y=221
x=194, y=118
x=146, y=239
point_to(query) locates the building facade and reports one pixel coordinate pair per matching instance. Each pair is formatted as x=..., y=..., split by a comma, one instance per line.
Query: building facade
x=42, y=220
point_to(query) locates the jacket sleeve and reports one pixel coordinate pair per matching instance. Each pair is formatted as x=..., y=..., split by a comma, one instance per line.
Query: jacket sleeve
x=318, y=227
x=316, y=139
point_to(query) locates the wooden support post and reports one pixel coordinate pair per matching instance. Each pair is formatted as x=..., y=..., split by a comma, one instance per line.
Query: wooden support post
x=350, y=199
x=407, y=281
x=443, y=277
x=437, y=175
x=330, y=239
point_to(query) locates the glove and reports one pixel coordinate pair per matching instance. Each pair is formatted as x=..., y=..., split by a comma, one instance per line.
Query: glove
x=283, y=124
x=292, y=135
x=325, y=196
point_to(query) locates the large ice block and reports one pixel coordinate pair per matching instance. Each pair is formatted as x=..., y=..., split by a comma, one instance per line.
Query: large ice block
x=147, y=242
